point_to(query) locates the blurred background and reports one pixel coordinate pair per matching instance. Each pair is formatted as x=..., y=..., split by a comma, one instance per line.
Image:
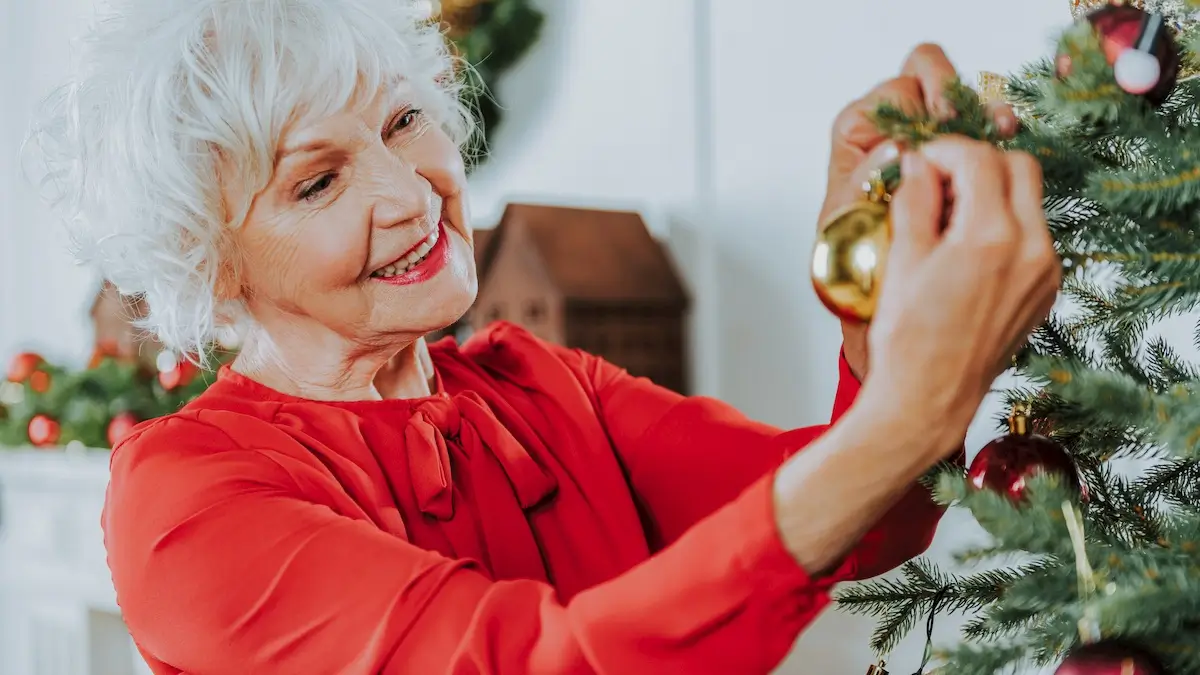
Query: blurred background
x=701, y=122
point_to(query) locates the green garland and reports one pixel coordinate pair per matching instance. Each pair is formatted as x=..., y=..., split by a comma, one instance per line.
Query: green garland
x=491, y=36
x=71, y=405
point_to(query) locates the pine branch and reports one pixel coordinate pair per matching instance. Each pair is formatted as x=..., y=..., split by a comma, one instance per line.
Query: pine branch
x=1170, y=183
x=1177, y=481
x=994, y=659
x=912, y=130
x=899, y=603
x=1166, y=367
x=1170, y=419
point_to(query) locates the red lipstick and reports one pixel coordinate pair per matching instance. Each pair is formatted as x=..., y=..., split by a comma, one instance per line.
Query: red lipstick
x=434, y=261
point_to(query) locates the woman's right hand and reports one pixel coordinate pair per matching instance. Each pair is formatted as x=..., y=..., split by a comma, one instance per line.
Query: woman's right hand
x=971, y=271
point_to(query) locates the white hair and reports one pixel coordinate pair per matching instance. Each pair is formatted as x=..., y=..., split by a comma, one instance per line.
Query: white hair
x=167, y=89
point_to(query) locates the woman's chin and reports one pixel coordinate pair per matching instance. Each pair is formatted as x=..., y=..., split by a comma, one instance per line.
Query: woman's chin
x=429, y=306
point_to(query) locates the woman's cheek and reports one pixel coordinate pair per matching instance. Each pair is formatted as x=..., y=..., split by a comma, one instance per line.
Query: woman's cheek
x=335, y=248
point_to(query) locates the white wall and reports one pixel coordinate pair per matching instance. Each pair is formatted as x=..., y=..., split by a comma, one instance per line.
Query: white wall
x=45, y=296
x=710, y=115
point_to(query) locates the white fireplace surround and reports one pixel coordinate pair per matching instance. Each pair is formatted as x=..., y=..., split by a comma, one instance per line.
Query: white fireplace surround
x=58, y=610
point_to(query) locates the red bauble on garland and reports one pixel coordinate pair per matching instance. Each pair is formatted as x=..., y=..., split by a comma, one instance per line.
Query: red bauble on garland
x=119, y=427
x=39, y=381
x=1139, y=46
x=23, y=366
x=175, y=372
x=102, y=352
x=1006, y=464
x=44, y=431
x=1109, y=658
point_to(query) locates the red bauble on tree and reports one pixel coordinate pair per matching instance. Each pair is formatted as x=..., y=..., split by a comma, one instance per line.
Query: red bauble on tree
x=23, y=366
x=43, y=431
x=1139, y=46
x=119, y=427
x=1109, y=658
x=1006, y=464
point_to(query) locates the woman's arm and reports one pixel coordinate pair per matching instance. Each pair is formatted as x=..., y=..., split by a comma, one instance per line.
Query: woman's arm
x=687, y=456
x=223, y=566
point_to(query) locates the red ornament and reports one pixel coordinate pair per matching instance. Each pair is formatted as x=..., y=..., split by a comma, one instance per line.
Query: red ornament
x=23, y=365
x=181, y=375
x=39, y=381
x=1139, y=46
x=43, y=431
x=1005, y=464
x=119, y=427
x=1109, y=658
x=104, y=350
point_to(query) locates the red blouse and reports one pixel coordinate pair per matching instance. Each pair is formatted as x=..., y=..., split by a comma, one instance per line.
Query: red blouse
x=544, y=512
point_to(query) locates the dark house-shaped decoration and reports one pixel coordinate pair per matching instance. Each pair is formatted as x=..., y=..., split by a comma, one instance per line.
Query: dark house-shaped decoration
x=588, y=279
x=115, y=333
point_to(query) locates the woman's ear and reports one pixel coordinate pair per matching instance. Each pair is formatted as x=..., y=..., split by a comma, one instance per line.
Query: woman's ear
x=228, y=282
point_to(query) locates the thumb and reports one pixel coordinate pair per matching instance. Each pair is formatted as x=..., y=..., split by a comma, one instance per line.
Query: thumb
x=917, y=206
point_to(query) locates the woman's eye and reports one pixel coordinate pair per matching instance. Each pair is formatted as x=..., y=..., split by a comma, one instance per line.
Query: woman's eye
x=315, y=188
x=408, y=119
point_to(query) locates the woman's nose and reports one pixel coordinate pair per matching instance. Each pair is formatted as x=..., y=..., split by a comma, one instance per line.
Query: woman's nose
x=400, y=195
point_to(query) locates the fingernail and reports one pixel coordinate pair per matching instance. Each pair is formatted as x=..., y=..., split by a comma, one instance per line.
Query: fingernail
x=886, y=153
x=909, y=163
x=1006, y=122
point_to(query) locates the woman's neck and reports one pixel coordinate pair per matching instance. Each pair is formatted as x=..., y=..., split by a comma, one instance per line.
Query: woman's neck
x=330, y=373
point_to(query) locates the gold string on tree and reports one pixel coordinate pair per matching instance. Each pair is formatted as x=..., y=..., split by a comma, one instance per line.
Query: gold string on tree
x=1095, y=655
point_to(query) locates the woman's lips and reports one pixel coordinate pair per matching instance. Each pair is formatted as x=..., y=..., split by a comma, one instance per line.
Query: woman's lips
x=420, y=264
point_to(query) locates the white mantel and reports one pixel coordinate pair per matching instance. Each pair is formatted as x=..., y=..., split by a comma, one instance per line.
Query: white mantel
x=58, y=611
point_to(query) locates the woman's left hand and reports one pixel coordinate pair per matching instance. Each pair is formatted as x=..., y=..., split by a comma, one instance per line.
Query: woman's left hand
x=859, y=148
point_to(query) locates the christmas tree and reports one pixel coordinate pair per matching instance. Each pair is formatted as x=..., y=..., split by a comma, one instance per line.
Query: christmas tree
x=1087, y=569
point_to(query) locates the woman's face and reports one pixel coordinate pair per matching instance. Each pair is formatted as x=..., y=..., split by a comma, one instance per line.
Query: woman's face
x=362, y=233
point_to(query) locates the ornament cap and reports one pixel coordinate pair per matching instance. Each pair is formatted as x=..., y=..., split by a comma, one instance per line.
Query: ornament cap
x=877, y=670
x=1018, y=419
x=876, y=188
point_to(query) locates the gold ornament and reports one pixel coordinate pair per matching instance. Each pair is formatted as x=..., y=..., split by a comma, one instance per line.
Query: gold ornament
x=849, y=256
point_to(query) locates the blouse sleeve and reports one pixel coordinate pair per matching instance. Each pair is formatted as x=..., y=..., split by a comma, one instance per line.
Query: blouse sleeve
x=223, y=566
x=686, y=456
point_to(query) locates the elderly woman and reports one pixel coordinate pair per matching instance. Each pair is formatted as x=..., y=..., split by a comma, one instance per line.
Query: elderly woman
x=346, y=498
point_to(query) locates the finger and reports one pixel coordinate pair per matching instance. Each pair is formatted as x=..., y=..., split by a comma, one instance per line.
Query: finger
x=855, y=128
x=1026, y=196
x=917, y=207
x=1004, y=118
x=979, y=179
x=1025, y=192
x=932, y=69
